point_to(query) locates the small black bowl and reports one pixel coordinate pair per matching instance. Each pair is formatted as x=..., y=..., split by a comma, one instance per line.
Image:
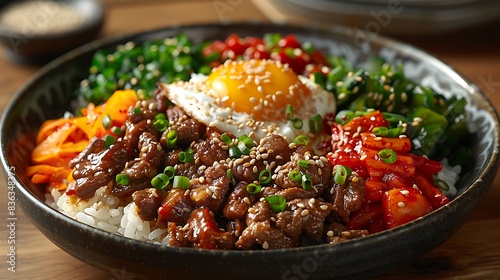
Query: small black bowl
x=48, y=95
x=32, y=47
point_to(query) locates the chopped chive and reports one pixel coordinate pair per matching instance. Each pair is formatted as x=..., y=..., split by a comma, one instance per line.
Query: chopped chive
x=387, y=155
x=295, y=175
x=316, y=124
x=181, y=182
x=169, y=171
x=265, y=177
x=307, y=183
x=303, y=163
x=121, y=179
x=301, y=140
x=106, y=121
x=297, y=123
x=172, y=138
x=276, y=202
x=160, y=181
x=289, y=112
x=253, y=188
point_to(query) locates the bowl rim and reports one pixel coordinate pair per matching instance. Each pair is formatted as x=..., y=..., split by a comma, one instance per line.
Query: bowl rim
x=490, y=167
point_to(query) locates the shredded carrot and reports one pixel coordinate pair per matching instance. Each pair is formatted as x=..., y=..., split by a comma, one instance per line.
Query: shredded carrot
x=60, y=140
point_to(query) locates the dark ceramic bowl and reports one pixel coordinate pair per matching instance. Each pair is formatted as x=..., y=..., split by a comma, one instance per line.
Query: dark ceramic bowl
x=32, y=47
x=48, y=94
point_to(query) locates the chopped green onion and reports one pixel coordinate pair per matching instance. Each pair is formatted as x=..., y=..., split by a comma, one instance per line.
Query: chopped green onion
x=395, y=132
x=316, y=124
x=380, y=131
x=442, y=185
x=172, y=138
x=160, y=116
x=169, y=171
x=253, y=188
x=301, y=140
x=341, y=173
x=186, y=156
x=160, y=181
x=234, y=152
x=304, y=163
x=393, y=118
x=121, y=179
x=109, y=140
x=295, y=175
x=106, y=121
x=226, y=138
x=245, y=139
x=116, y=130
x=265, y=176
x=161, y=124
x=243, y=148
x=387, y=155
x=297, y=123
x=276, y=202
x=307, y=183
x=289, y=112
x=137, y=111
x=181, y=182
x=229, y=174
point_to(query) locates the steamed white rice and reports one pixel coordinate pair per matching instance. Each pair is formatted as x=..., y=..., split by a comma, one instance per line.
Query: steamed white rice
x=103, y=211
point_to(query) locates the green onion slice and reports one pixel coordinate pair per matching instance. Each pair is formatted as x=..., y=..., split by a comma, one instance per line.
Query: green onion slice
x=234, y=152
x=186, y=156
x=137, y=111
x=161, y=124
x=297, y=123
x=160, y=116
x=442, y=185
x=307, y=183
x=160, y=181
x=229, y=174
x=116, y=130
x=181, y=182
x=276, y=202
x=169, y=171
x=316, y=124
x=304, y=163
x=341, y=173
x=107, y=122
x=295, y=175
x=226, y=138
x=380, y=131
x=265, y=177
x=172, y=138
x=109, y=140
x=253, y=188
x=301, y=140
x=121, y=179
x=289, y=112
x=387, y=155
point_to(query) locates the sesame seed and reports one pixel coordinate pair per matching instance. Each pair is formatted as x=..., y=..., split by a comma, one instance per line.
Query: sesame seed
x=304, y=213
x=324, y=207
x=330, y=233
x=265, y=245
x=246, y=200
x=401, y=204
x=405, y=192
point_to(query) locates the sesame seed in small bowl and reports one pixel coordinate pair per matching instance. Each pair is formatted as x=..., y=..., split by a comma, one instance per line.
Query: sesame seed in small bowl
x=39, y=31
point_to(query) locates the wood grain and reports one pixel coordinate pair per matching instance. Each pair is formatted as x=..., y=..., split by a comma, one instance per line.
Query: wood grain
x=472, y=253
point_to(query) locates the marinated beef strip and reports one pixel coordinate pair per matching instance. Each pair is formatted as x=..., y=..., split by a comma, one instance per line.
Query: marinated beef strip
x=217, y=211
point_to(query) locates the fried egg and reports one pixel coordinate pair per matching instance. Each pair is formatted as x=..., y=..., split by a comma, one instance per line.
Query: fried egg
x=251, y=97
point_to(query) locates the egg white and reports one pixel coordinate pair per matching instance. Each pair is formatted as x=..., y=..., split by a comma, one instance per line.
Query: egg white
x=192, y=96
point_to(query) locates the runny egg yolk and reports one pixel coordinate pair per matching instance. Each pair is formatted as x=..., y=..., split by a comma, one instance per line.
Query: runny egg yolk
x=261, y=88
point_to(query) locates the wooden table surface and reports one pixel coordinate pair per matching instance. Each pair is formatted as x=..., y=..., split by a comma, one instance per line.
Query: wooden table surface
x=472, y=253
